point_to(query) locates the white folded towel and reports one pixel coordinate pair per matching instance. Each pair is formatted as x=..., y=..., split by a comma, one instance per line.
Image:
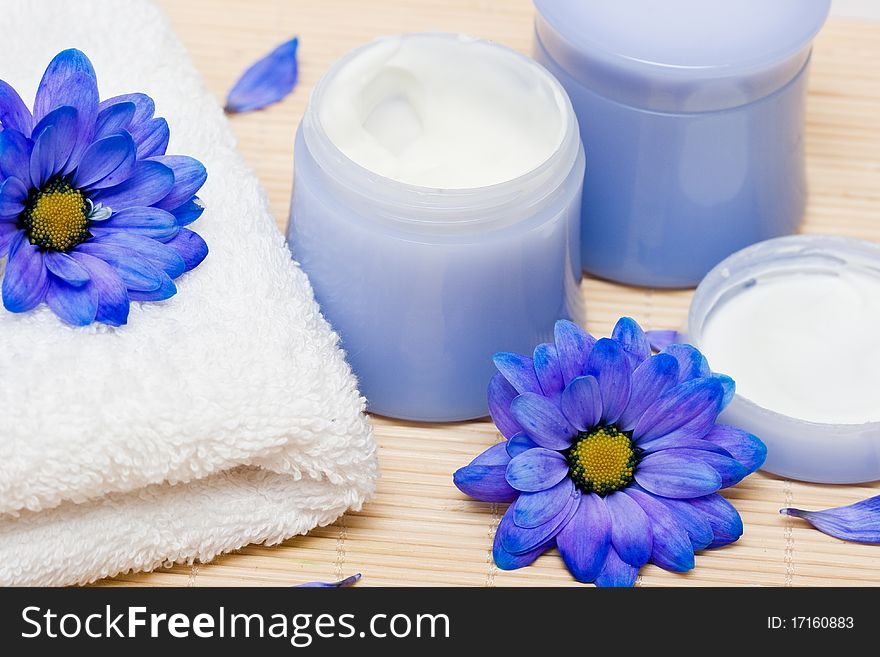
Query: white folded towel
x=224, y=416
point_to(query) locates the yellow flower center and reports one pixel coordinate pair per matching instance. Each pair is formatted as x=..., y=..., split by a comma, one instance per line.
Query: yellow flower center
x=56, y=218
x=602, y=461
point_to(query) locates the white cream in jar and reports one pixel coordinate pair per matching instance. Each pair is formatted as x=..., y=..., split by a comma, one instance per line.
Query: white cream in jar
x=426, y=111
x=804, y=344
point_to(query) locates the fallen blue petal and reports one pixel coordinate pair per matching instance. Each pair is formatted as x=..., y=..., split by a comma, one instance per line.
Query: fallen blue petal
x=265, y=82
x=348, y=581
x=859, y=522
x=661, y=339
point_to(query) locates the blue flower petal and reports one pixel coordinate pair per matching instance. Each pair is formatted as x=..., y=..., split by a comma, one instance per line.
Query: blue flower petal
x=519, y=540
x=189, y=212
x=26, y=280
x=13, y=194
x=688, y=410
x=60, y=84
x=695, y=523
x=534, y=509
x=106, y=162
x=190, y=246
x=136, y=273
x=343, y=583
x=671, y=548
x=15, y=155
x=691, y=363
x=630, y=529
x=582, y=403
x=8, y=232
x=671, y=474
x=485, y=483
x=150, y=134
x=166, y=290
x=650, y=380
x=661, y=339
x=494, y=455
x=608, y=363
x=66, y=268
x=14, y=114
x=70, y=80
x=157, y=254
x=113, y=301
x=75, y=305
x=584, y=542
x=152, y=138
x=741, y=445
x=573, y=346
x=150, y=182
x=143, y=104
x=266, y=81
x=542, y=421
x=507, y=561
x=189, y=176
x=520, y=443
x=148, y=222
x=54, y=140
x=546, y=363
x=519, y=371
x=631, y=337
x=727, y=526
x=113, y=119
x=662, y=444
x=859, y=522
x=500, y=395
x=731, y=471
x=536, y=469
x=616, y=573
x=728, y=385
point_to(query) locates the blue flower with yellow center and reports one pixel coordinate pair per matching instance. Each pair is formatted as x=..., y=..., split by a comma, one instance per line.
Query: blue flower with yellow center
x=93, y=213
x=613, y=455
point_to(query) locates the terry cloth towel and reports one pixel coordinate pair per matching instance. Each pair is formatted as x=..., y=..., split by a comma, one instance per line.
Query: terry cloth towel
x=224, y=416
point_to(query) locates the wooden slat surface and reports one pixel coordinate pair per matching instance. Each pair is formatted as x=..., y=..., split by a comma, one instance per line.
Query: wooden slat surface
x=419, y=529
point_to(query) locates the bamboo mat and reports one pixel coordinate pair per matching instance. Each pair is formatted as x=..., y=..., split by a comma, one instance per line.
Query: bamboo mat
x=419, y=529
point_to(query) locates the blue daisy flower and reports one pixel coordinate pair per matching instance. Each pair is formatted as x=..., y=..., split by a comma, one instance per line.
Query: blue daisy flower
x=612, y=455
x=92, y=210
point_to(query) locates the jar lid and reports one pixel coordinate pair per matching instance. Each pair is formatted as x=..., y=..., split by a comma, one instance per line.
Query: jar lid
x=681, y=55
x=814, y=447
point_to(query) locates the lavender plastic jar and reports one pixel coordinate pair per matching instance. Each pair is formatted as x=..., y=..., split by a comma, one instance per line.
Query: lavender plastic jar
x=692, y=117
x=424, y=284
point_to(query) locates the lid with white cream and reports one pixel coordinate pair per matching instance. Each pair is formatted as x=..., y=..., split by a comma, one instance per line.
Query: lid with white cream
x=794, y=322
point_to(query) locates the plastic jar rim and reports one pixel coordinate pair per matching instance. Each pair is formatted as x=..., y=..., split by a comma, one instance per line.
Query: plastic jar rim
x=494, y=205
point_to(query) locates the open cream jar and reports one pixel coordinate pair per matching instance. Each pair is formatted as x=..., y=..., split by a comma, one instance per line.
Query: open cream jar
x=436, y=211
x=796, y=322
